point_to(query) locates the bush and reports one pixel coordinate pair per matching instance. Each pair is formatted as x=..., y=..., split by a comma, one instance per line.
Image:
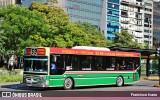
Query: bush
x=3, y=68
x=10, y=76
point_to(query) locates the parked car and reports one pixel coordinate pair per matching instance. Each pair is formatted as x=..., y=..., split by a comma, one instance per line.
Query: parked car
x=152, y=71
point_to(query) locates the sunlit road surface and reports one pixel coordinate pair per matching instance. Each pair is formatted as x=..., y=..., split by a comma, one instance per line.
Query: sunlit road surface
x=144, y=85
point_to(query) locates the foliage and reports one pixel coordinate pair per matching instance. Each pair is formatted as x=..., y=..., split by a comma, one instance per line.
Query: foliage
x=66, y=34
x=42, y=25
x=155, y=64
x=95, y=37
x=3, y=68
x=124, y=39
x=10, y=77
x=18, y=26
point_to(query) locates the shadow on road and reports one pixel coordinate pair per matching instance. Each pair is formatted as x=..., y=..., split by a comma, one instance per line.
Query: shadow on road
x=20, y=88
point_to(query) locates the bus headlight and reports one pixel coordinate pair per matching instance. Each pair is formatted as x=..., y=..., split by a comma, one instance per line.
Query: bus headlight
x=47, y=83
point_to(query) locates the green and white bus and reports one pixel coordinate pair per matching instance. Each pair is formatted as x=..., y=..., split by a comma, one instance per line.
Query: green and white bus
x=79, y=66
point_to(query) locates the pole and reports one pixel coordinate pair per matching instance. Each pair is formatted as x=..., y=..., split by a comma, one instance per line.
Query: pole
x=158, y=55
x=148, y=67
x=158, y=49
x=159, y=69
x=149, y=34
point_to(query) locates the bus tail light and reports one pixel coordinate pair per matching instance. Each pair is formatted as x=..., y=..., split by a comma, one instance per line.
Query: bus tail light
x=41, y=51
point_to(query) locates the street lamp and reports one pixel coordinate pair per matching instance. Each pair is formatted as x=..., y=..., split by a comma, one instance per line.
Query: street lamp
x=158, y=52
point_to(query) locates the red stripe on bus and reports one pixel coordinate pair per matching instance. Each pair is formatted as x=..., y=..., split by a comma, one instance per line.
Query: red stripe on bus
x=93, y=52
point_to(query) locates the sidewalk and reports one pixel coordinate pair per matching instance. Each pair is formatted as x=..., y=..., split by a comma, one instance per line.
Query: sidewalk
x=9, y=83
x=151, y=78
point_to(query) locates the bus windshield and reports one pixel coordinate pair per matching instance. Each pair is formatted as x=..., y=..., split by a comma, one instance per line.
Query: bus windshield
x=36, y=65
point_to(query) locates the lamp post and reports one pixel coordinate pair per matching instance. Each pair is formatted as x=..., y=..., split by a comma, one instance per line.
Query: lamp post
x=158, y=52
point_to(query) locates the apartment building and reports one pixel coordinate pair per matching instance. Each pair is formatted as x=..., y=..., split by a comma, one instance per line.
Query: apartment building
x=28, y=2
x=9, y=2
x=148, y=23
x=131, y=18
x=156, y=24
x=110, y=16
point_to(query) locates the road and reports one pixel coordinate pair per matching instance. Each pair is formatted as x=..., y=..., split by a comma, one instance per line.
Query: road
x=142, y=85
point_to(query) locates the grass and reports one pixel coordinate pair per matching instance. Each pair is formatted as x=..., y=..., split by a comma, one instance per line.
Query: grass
x=3, y=68
x=10, y=76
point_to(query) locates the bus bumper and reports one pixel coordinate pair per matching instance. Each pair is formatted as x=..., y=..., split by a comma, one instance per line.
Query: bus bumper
x=34, y=85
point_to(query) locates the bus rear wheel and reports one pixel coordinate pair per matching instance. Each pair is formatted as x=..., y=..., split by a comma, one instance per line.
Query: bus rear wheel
x=68, y=84
x=119, y=81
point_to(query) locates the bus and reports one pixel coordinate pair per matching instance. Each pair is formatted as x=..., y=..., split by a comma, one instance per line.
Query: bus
x=77, y=67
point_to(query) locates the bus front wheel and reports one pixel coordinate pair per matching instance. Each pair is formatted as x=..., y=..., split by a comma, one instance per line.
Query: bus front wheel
x=119, y=81
x=68, y=84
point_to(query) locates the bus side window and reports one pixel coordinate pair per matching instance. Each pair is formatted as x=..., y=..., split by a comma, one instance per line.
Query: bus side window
x=117, y=66
x=68, y=62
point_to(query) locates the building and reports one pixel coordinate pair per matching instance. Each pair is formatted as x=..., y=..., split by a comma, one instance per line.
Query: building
x=131, y=18
x=156, y=24
x=28, y=2
x=110, y=16
x=113, y=16
x=148, y=23
x=9, y=2
x=134, y=16
x=83, y=10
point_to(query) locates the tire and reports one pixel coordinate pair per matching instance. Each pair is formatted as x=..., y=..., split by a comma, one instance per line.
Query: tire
x=68, y=84
x=119, y=81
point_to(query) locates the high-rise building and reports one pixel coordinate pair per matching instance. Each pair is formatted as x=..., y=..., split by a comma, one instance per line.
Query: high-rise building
x=28, y=2
x=134, y=16
x=113, y=16
x=110, y=16
x=8, y=2
x=83, y=10
x=148, y=23
x=131, y=18
x=156, y=24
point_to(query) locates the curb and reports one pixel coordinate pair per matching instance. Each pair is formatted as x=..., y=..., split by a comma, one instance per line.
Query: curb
x=150, y=78
x=9, y=83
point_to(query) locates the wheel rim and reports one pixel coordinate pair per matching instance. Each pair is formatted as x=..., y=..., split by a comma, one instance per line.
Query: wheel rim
x=68, y=83
x=119, y=81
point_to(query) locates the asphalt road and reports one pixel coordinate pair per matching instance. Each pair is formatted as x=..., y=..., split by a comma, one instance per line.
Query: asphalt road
x=142, y=85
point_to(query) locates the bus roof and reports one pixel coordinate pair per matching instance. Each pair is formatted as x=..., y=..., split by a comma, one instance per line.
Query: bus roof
x=93, y=52
x=91, y=48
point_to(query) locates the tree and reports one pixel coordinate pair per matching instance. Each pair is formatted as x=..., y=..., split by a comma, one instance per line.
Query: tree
x=155, y=64
x=124, y=39
x=42, y=25
x=63, y=33
x=95, y=37
x=19, y=28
